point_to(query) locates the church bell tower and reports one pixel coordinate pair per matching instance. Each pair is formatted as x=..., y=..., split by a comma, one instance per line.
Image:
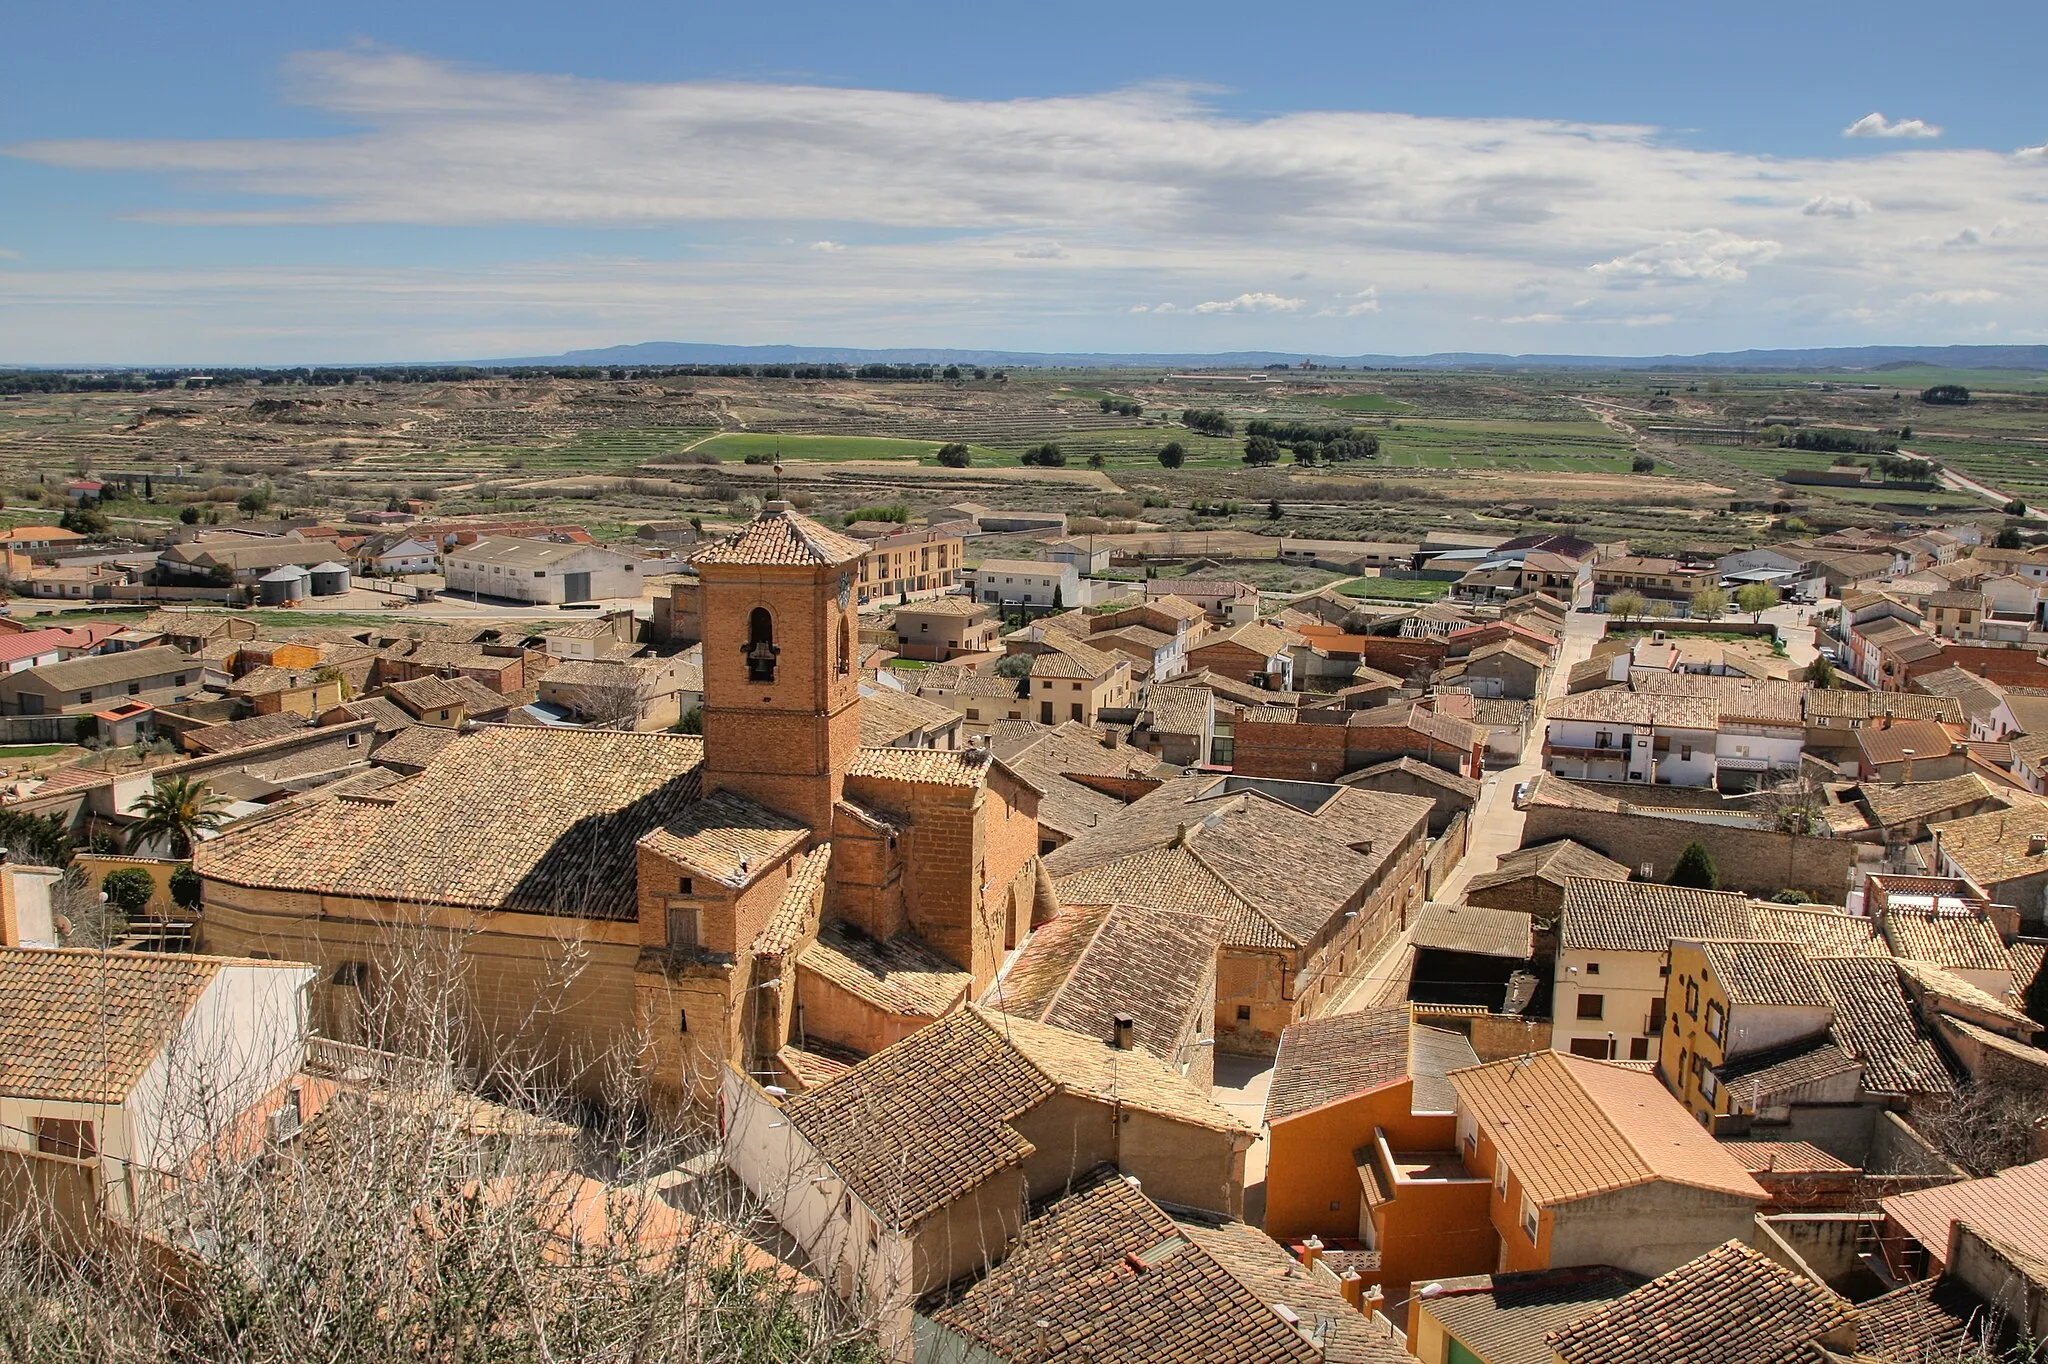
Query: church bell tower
x=781, y=663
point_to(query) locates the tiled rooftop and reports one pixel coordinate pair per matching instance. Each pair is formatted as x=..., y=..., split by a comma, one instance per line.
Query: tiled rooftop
x=1474, y=929
x=781, y=537
x=565, y=809
x=1297, y=867
x=1993, y=847
x=1765, y=972
x=1729, y=1306
x=82, y=1026
x=1955, y=941
x=1637, y=916
x=1077, y=973
x=2010, y=1206
x=1069, y=1281
x=1504, y=1318
x=726, y=838
x=1875, y=1023
x=1572, y=1127
x=924, y=766
x=1553, y=862
x=901, y=976
x=1322, y=1060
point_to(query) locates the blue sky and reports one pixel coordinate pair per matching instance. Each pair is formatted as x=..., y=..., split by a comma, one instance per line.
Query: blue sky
x=284, y=184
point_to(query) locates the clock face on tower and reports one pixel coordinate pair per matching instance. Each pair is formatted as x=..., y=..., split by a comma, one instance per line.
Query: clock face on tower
x=845, y=589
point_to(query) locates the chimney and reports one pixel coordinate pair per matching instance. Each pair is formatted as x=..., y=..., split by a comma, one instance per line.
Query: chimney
x=1905, y=764
x=1887, y=718
x=1311, y=1251
x=1121, y=1029
x=2037, y=844
x=1375, y=1300
x=1352, y=1285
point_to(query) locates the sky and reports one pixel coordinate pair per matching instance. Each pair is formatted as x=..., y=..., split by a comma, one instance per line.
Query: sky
x=288, y=184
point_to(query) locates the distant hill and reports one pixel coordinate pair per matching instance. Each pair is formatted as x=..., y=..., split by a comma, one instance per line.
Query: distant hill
x=1851, y=358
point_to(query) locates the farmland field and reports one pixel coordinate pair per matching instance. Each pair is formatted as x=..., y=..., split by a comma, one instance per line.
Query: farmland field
x=1395, y=589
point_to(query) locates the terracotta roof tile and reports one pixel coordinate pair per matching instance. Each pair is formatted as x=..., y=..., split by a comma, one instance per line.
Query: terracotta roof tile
x=1876, y=1024
x=564, y=809
x=1277, y=1279
x=1956, y=941
x=1934, y=1319
x=1322, y=1060
x=780, y=537
x=1474, y=929
x=1786, y=1158
x=1638, y=916
x=1729, y=1306
x=925, y=766
x=1764, y=971
x=1571, y=1127
x=2010, y=1206
x=1615, y=706
x=1994, y=847
x=1175, y=878
x=1075, y=973
x=726, y=838
x=1505, y=1317
x=901, y=976
x=794, y=912
x=1071, y=1275
x=82, y=1026
x=1553, y=862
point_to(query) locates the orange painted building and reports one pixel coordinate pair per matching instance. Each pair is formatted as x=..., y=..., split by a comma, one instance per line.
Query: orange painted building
x=1362, y=1144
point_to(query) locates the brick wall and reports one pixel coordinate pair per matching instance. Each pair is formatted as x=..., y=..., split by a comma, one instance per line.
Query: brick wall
x=1402, y=657
x=1293, y=752
x=1759, y=862
x=1445, y=852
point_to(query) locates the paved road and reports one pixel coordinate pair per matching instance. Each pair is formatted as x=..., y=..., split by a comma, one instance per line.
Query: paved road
x=1496, y=826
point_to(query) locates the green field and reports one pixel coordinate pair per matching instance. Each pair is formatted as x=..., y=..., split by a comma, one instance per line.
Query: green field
x=1395, y=589
x=737, y=445
x=32, y=750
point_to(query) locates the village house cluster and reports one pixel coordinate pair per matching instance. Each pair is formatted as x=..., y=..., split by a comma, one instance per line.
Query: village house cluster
x=1074, y=963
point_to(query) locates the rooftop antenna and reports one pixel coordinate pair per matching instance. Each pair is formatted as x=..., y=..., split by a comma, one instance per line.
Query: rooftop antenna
x=778, y=471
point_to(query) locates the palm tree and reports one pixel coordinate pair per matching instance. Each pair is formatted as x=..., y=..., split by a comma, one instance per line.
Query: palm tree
x=176, y=810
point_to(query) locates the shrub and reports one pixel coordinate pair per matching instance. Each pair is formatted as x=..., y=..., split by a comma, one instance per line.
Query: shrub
x=128, y=890
x=1642, y=464
x=1048, y=456
x=895, y=512
x=954, y=455
x=1695, y=868
x=185, y=888
x=2015, y=508
x=1208, y=421
x=1946, y=395
x=1260, y=451
x=1173, y=454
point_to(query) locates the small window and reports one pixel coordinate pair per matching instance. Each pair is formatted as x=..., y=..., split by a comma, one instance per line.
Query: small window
x=1244, y=1013
x=352, y=974
x=85, y=698
x=1685, y=753
x=1592, y=968
x=1529, y=1222
x=685, y=886
x=1717, y=1020
x=70, y=1137
x=540, y=573
x=682, y=1020
x=1500, y=1176
x=135, y=689
x=355, y=740
x=1592, y=1006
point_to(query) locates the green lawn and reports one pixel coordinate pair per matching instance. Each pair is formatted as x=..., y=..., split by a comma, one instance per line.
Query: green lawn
x=1395, y=589
x=32, y=750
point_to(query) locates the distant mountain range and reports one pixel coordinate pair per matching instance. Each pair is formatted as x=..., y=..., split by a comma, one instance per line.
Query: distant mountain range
x=1853, y=358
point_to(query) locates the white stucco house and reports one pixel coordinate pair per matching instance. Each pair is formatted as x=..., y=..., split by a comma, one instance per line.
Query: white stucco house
x=540, y=572
x=132, y=1062
x=1631, y=736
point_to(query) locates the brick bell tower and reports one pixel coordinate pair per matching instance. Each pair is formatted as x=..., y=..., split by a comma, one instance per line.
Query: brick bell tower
x=781, y=663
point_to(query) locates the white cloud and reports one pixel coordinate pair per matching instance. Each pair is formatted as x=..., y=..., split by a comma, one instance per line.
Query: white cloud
x=1010, y=222
x=1649, y=320
x=1366, y=300
x=1709, y=254
x=1529, y=318
x=1953, y=298
x=1836, y=206
x=2039, y=153
x=1877, y=125
x=1251, y=303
